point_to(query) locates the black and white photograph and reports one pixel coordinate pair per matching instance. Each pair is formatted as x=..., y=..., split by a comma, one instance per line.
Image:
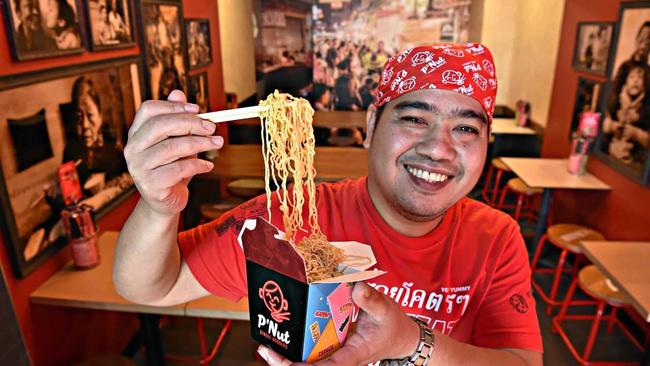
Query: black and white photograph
x=43, y=28
x=624, y=138
x=199, y=91
x=164, y=43
x=593, y=41
x=110, y=23
x=79, y=114
x=199, y=48
x=586, y=100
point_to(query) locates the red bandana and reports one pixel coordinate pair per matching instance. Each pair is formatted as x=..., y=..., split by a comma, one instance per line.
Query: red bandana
x=464, y=68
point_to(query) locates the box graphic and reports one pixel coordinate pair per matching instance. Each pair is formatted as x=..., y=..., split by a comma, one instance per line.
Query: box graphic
x=301, y=321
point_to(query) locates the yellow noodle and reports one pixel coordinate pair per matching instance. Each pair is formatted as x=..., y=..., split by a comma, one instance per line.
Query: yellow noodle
x=288, y=150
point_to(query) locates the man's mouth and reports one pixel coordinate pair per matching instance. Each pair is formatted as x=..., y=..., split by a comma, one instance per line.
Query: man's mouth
x=426, y=175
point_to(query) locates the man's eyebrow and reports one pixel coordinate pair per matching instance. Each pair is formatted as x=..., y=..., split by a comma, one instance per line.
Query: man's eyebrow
x=415, y=105
x=469, y=113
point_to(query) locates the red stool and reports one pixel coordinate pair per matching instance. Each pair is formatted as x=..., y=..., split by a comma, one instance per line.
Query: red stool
x=524, y=195
x=490, y=191
x=566, y=237
x=596, y=285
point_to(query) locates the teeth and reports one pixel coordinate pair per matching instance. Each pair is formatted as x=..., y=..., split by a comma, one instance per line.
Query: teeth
x=428, y=176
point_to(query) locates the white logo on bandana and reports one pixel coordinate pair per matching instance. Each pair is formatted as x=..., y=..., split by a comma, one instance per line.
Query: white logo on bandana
x=386, y=76
x=403, y=55
x=453, y=77
x=454, y=52
x=467, y=90
x=398, y=79
x=471, y=66
x=487, y=102
x=433, y=65
x=421, y=58
x=406, y=85
x=477, y=50
x=480, y=81
x=487, y=65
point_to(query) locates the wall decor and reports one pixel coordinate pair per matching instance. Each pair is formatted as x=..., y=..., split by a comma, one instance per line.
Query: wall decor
x=199, y=47
x=163, y=43
x=110, y=23
x=593, y=42
x=199, y=91
x=75, y=113
x=624, y=138
x=43, y=28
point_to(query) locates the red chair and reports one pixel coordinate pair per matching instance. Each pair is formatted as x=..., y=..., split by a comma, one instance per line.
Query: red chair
x=566, y=237
x=490, y=190
x=524, y=193
x=594, y=283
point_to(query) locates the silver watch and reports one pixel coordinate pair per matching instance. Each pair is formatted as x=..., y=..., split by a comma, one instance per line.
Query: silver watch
x=423, y=351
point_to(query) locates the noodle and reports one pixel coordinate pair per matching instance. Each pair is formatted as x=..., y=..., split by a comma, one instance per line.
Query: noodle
x=288, y=150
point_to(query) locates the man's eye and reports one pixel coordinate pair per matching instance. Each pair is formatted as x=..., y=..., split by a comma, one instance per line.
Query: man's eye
x=468, y=129
x=412, y=119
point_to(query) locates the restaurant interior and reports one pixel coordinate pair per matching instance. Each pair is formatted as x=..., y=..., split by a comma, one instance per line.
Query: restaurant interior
x=568, y=155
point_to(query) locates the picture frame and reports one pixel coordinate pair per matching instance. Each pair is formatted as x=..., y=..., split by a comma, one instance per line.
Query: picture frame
x=199, y=46
x=38, y=29
x=199, y=91
x=110, y=24
x=592, y=47
x=163, y=45
x=61, y=109
x=587, y=97
x=624, y=132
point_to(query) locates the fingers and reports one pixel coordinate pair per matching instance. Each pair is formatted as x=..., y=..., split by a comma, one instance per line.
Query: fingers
x=156, y=183
x=271, y=357
x=369, y=300
x=176, y=148
x=152, y=108
x=177, y=96
x=161, y=127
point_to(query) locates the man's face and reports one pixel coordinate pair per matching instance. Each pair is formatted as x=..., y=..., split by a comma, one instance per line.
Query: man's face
x=90, y=120
x=29, y=14
x=426, y=153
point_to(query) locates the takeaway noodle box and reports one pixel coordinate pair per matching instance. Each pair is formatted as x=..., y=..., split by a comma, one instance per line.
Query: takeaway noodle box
x=300, y=320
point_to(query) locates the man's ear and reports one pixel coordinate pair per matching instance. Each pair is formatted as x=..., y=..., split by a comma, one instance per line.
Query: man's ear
x=371, y=122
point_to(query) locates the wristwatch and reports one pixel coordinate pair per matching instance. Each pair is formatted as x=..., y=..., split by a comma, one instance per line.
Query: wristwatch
x=423, y=351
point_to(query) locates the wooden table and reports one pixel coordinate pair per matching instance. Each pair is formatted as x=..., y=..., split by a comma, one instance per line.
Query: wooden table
x=332, y=163
x=509, y=126
x=94, y=289
x=550, y=174
x=626, y=265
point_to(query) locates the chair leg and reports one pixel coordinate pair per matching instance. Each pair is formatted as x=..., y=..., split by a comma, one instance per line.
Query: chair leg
x=556, y=280
x=567, y=299
x=504, y=191
x=201, y=333
x=612, y=320
x=594, y=331
x=538, y=252
x=520, y=203
x=497, y=181
x=486, y=187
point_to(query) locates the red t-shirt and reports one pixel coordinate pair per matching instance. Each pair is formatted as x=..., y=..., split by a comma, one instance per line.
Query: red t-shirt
x=468, y=278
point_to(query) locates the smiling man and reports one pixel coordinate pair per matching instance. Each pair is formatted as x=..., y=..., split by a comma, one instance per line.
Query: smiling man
x=457, y=289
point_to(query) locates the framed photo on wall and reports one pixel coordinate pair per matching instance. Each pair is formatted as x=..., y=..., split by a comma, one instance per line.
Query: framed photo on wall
x=43, y=28
x=593, y=42
x=587, y=97
x=199, y=48
x=624, y=138
x=199, y=91
x=110, y=23
x=77, y=113
x=163, y=43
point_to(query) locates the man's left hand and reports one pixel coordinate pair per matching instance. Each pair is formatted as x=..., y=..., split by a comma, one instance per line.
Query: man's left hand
x=383, y=331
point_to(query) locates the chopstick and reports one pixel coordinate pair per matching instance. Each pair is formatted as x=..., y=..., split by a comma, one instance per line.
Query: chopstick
x=233, y=114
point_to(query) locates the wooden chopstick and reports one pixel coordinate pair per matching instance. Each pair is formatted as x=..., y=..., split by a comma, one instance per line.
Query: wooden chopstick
x=233, y=114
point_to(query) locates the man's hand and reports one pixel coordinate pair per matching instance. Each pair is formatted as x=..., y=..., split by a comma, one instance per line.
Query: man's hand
x=383, y=331
x=161, y=151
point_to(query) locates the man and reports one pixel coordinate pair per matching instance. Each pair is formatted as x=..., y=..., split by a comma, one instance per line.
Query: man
x=457, y=265
x=30, y=36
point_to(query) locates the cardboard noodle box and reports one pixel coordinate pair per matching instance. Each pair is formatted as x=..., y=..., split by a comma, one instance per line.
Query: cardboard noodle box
x=301, y=321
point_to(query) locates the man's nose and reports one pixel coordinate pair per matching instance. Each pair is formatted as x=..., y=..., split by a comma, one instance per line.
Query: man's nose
x=437, y=144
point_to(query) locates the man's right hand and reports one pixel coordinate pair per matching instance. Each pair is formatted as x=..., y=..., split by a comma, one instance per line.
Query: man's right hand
x=161, y=151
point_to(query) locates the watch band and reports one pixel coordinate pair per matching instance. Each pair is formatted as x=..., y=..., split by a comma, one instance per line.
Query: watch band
x=423, y=351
